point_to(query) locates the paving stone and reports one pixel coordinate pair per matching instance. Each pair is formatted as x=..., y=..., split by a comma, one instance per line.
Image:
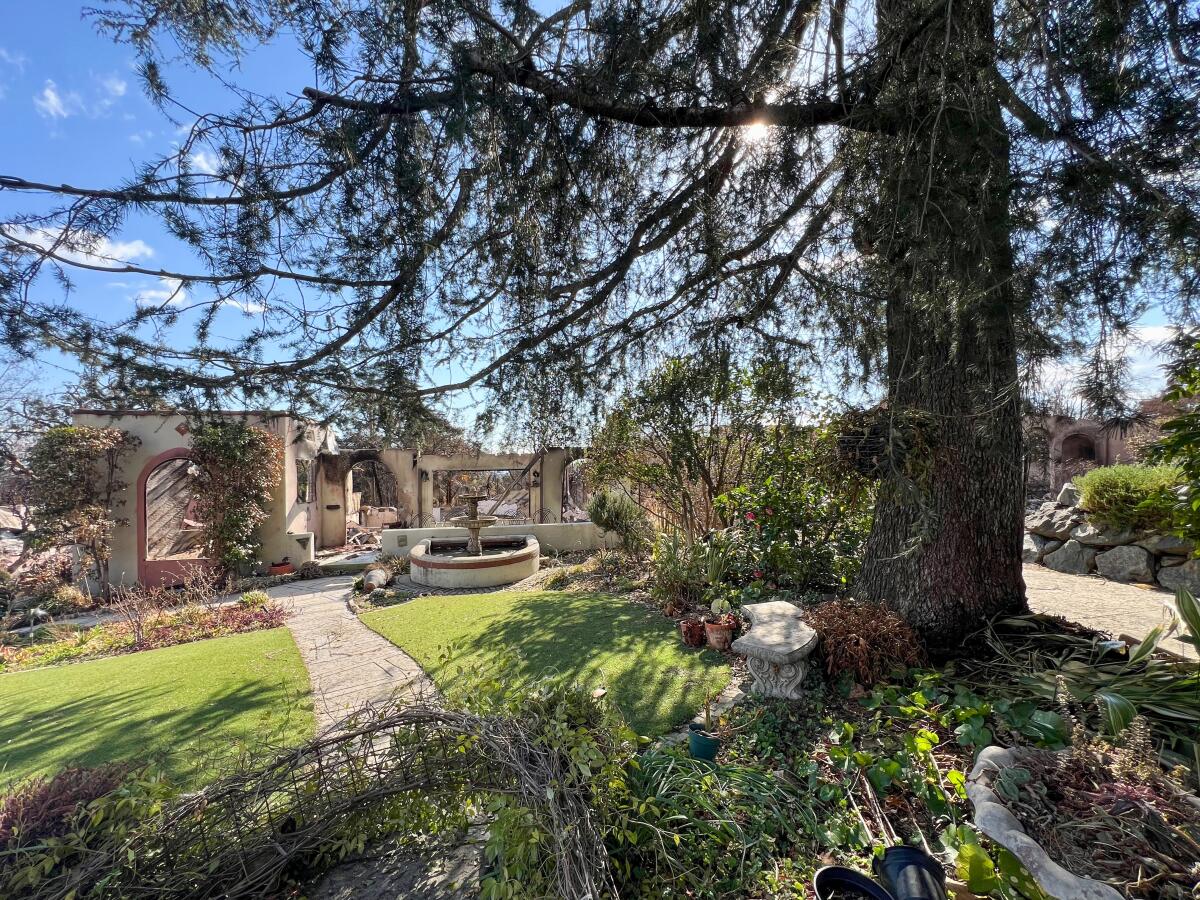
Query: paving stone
x=1118, y=609
x=349, y=665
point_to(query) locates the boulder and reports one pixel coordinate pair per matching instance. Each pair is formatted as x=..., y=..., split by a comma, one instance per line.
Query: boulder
x=1126, y=564
x=1169, y=561
x=1073, y=558
x=1186, y=576
x=1167, y=545
x=1053, y=521
x=1069, y=495
x=1035, y=547
x=1031, y=548
x=1089, y=534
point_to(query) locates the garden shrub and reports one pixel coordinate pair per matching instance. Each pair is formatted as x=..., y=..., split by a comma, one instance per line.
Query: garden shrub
x=1140, y=498
x=237, y=468
x=802, y=517
x=253, y=600
x=683, y=435
x=677, y=571
x=615, y=511
x=865, y=640
x=41, y=807
x=75, y=491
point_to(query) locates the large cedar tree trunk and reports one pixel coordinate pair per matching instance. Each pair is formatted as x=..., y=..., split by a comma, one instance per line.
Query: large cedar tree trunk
x=945, y=546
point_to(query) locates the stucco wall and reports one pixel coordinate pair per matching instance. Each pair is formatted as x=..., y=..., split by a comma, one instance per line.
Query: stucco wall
x=162, y=432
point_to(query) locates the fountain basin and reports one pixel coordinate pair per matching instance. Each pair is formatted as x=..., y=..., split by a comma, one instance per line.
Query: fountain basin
x=447, y=563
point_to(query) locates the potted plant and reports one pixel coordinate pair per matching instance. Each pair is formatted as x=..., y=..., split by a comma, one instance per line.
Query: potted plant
x=719, y=629
x=703, y=742
x=692, y=631
x=281, y=568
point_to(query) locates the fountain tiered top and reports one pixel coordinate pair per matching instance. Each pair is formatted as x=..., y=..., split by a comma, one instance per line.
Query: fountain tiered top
x=473, y=521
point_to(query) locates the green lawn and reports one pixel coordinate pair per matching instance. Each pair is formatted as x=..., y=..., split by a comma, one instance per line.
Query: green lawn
x=599, y=639
x=185, y=705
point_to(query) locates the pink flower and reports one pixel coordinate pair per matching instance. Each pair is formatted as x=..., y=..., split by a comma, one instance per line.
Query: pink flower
x=750, y=517
x=757, y=573
x=769, y=511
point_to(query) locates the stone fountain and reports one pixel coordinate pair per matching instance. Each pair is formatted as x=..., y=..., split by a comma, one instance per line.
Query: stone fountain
x=473, y=521
x=474, y=562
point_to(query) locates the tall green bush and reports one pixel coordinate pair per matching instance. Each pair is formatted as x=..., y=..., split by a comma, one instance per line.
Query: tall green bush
x=237, y=468
x=1140, y=498
x=615, y=511
x=76, y=488
x=803, y=515
x=1180, y=441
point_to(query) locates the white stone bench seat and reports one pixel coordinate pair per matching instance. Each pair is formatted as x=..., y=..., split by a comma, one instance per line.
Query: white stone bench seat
x=776, y=648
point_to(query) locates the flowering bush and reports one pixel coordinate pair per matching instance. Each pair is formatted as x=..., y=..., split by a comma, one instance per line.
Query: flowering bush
x=158, y=629
x=802, y=519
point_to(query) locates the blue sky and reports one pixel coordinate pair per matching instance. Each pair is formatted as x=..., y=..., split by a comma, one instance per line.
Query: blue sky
x=75, y=112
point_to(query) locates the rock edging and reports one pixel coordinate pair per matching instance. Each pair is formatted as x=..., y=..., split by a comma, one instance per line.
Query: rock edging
x=995, y=820
x=1059, y=536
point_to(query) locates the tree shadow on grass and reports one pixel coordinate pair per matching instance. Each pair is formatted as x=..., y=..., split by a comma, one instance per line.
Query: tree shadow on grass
x=599, y=639
x=191, y=740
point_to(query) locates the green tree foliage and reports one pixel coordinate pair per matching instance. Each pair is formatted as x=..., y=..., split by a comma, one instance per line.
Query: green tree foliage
x=75, y=471
x=685, y=435
x=237, y=468
x=919, y=194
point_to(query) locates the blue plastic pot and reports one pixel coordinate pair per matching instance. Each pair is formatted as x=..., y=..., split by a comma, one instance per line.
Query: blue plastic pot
x=701, y=744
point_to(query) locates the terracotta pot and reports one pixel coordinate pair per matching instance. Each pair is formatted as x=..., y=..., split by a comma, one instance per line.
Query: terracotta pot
x=720, y=633
x=692, y=631
x=283, y=568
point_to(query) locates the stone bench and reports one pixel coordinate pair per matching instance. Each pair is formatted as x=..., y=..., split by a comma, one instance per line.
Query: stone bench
x=776, y=648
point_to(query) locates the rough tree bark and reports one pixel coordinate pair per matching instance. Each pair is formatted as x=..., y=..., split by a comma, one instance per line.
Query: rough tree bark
x=945, y=547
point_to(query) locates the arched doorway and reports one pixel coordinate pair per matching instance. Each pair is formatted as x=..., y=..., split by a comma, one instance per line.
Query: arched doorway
x=1078, y=447
x=170, y=538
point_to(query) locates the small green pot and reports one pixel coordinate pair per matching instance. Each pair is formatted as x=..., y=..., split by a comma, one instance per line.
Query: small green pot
x=701, y=744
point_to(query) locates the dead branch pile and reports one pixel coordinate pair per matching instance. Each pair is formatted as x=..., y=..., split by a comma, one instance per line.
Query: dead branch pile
x=250, y=833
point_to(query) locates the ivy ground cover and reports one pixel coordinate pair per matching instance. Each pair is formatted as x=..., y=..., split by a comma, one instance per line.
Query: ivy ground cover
x=596, y=639
x=187, y=706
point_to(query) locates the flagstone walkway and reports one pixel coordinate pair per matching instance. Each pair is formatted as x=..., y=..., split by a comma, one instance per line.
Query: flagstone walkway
x=1120, y=609
x=349, y=665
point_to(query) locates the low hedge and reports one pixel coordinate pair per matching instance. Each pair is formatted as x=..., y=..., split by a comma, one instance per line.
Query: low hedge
x=1141, y=498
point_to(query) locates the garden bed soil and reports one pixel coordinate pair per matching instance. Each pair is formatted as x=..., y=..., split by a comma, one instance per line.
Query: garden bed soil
x=1109, y=814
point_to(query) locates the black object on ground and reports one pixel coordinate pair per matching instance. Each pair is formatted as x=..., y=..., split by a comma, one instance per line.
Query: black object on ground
x=840, y=883
x=911, y=874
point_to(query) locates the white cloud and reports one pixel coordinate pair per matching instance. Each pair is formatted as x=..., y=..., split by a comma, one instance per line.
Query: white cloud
x=90, y=250
x=170, y=292
x=203, y=163
x=16, y=60
x=141, y=137
x=52, y=104
x=113, y=86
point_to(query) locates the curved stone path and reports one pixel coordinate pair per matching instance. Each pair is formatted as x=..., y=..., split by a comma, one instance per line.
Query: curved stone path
x=349, y=665
x=1129, y=610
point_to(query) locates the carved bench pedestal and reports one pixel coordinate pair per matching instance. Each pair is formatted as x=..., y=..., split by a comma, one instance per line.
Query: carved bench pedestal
x=776, y=648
